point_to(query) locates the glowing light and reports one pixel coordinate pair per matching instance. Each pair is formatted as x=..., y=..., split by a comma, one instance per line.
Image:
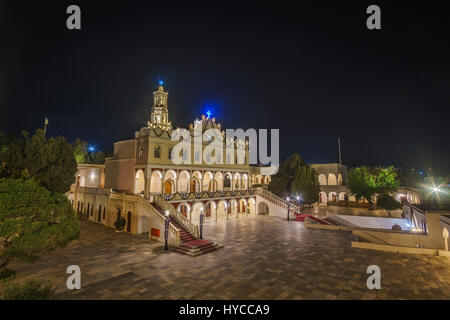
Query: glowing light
x=435, y=189
x=167, y=213
x=161, y=82
x=91, y=148
x=208, y=113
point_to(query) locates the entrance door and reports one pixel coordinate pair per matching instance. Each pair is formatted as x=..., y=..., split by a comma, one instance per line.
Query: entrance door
x=167, y=187
x=129, y=222
x=183, y=210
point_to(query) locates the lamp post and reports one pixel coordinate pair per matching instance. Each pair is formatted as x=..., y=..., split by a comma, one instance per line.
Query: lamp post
x=289, y=206
x=201, y=223
x=166, y=231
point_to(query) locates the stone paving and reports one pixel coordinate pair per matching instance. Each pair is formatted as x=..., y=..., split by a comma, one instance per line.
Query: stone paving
x=264, y=258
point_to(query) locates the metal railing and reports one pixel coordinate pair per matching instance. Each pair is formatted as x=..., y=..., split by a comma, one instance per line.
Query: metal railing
x=277, y=200
x=180, y=218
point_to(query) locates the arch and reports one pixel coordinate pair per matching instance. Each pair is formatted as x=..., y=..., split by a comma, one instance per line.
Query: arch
x=156, y=182
x=259, y=179
x=351, y=198
x=323, y=199
x=228, y=179
x=197, y=207
x=233, y=206
x=185, y=209
x=242, y=206
x=237, y=181
x=342, y=196
x=183, y=181
x=169, y=184
x=251, y=205
x=139, y=182
x=244, y=181
x=332, y=196
x=322, y=179
x=196, y=179
x=263, y=208
x=218, y=178
x=170, y=174
x=208, y=182
x=222, y=208
x=332, y=179
x=210, y=209
x=267, y=180
x=339, y=180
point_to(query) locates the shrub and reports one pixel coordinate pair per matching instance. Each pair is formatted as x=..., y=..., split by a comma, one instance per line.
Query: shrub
x=120, y=223
x=7, y=274
x=29, y=290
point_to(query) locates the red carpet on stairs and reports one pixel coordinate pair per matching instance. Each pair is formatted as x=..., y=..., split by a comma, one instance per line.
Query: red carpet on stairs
x=189, y=244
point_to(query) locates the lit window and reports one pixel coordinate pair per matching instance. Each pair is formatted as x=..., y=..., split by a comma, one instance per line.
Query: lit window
x=157, y=152
x=170, y=153
x=141, y=153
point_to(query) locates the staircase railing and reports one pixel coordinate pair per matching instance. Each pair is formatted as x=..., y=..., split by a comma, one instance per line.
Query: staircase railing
x=181, y=219
x=276, y=199
x=161, y=219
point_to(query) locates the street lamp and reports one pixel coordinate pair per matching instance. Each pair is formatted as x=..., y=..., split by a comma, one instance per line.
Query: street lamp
x=201, y=223
x=289, y=206
x=166, y=230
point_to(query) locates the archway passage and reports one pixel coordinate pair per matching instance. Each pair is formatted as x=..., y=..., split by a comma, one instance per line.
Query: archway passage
x=168, y=187
x=242, y=206
x=322, y=179
x=195, y=185
x=322, y=197
x=155, y=184
x=263, y=208
x=208, y=210
x=184, y=210
x=183, y=182
x=332, y=180
x=139, y=183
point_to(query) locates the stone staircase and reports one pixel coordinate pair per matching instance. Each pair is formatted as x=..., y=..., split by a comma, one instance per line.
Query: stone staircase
x=190, y=245
x=198, y=247
x=186, y=236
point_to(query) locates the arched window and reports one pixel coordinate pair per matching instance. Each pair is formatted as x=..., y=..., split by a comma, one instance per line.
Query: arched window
x=141, y=153
x=170, y=153
x=157, y=152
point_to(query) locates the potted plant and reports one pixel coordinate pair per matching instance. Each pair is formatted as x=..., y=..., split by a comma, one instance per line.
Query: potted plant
x=120, y=224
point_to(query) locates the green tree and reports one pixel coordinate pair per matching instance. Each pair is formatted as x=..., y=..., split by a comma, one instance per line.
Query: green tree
x=80, y=151
x=294, y=176
x=367, y=182
x=33, y=221
x=83, y=155
x=386, y=179
x=387, y=202
x=362, y=183
x=50, y=162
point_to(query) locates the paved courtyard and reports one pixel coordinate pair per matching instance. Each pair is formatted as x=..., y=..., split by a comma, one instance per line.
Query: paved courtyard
x=264, y=258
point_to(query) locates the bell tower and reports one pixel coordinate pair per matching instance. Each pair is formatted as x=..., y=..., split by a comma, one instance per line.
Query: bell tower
x=159, y=116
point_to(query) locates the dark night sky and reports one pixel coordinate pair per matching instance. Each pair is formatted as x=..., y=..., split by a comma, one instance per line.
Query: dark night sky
x=314, y=71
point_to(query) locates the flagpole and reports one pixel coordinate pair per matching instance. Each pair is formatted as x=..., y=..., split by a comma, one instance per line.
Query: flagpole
x=45, y=126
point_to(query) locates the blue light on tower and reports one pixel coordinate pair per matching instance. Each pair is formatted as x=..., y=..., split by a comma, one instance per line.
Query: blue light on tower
x=208, y=113
x=161, y=82
x=91, y=148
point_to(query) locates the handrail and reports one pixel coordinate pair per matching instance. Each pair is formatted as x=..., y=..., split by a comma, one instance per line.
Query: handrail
x=276, y=199
x=161, y=218
x=191, y=227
